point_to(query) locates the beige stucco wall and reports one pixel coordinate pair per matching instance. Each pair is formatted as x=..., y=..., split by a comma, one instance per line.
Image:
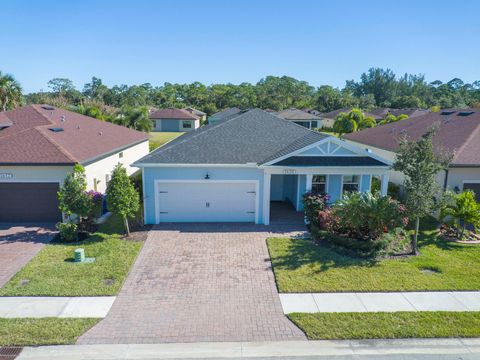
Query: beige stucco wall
x=99, y=169
x=458, y=176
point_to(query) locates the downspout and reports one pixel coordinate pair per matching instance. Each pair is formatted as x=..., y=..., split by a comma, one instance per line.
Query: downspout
x=446, y=181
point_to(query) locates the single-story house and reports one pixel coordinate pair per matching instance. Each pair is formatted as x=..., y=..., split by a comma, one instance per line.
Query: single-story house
x=40, y=144
x=329, y=117
x=223, y=114
x=232, y=170
x=410, y=112
x=202, y=115
x=458, y=132
x=174, y=120
x=300, y=117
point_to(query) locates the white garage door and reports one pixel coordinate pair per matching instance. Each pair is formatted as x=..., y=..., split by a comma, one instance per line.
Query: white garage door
x=206, y=201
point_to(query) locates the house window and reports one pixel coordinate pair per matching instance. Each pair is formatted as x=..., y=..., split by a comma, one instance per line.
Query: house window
x=95, y=182
x=314, y=125
x=351, y=183
x=186, y=124
x=319, y=184
x=120, y=154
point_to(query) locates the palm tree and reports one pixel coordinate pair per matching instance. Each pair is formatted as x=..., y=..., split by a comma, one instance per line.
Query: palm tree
x=10, y=92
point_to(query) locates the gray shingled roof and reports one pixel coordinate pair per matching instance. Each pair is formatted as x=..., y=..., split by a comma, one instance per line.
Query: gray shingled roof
x=254, y=136
x=295, y=114
x=225, y=113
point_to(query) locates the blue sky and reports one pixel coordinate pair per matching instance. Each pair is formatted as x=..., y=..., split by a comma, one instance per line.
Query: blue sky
x=322, y=42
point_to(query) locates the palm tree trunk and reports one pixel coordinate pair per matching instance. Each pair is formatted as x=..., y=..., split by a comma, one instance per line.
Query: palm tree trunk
x=127, y=228
x=415, y=236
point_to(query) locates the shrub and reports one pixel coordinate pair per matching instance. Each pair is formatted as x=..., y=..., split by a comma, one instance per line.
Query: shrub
x=366, y=247
x=459, y=210
x=68, y=231
x=313, y=203
x=367, y=215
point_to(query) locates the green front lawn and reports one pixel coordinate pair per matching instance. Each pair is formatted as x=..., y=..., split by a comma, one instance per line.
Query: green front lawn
x=53, y=273
x=43, y=331
x=159, y=138
x=388, y=325
x=304, y=266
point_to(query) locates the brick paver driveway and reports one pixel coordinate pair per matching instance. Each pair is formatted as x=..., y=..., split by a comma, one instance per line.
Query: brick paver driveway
x=19, y=243
x=199, y=282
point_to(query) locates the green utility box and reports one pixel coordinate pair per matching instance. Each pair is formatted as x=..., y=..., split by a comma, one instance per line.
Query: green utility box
x=79, y=255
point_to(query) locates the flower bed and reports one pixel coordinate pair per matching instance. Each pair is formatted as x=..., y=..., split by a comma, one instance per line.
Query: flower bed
x=362, y=224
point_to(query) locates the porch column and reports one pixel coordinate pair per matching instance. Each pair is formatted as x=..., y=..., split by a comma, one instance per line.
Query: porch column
x=384, y=185
x=266, y=198
x=308, y=186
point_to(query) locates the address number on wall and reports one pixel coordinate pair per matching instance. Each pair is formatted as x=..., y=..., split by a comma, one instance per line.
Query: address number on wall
x=289, y=171
x=6, y=175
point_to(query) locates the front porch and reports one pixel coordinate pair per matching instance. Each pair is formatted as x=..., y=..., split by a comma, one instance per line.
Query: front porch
x=284, y=188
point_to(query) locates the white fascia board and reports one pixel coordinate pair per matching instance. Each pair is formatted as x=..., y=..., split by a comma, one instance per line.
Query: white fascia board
x=357, y=150
x=250, y=165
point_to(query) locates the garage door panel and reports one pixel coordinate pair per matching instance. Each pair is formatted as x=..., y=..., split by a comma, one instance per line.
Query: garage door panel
x=29, y=202
x=206, y=202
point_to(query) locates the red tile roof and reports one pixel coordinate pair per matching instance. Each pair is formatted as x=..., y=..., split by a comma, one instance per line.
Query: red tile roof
x=82, y=139
x=173, y=113
x=459, y=132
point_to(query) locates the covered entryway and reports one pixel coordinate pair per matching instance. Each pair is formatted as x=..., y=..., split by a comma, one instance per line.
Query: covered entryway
x=206, y=201
x=29, y=202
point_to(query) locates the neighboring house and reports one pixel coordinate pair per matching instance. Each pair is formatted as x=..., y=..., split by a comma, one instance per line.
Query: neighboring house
x=232, y=170
x=174, y=120
x=202, y=115
x=223, y=115
x=39, y=145
x=329, y=118
x=410, y=112
x=458, y=132
x=300, y=117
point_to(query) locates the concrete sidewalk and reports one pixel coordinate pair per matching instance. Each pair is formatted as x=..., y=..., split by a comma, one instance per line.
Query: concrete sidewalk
x=346, y=349
x=385, y=302
x=66, y=307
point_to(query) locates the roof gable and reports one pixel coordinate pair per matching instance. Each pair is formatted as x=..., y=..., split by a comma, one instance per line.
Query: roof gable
x=324, y=151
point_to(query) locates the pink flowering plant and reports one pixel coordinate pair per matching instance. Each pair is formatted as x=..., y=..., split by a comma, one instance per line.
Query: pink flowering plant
x=97, y=203
x=313, y=203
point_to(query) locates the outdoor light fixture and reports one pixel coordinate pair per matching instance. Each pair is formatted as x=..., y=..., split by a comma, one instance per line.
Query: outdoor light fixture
x=207, y=176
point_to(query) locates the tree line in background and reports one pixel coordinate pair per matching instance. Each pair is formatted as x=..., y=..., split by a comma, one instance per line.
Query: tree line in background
x=128, y=105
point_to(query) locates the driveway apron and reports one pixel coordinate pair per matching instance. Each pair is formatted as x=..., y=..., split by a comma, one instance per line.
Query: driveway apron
x=19, y=243
x=200, y=282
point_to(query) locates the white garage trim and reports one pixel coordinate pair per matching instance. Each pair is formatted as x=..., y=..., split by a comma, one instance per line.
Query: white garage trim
x=158, y=182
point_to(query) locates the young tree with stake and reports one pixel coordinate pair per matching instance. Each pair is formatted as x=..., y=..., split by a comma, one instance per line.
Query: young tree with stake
x=420, y=164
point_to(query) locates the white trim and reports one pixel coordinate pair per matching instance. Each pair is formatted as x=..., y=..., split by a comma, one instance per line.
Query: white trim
x=298, y=193
x=144, y=198
x=185, y=181
x=384, y=184
x=471, y=181
x=267, y=179
x=359, y=182
x=43, y=180
x=308, y=182
x=248, y=165
x=355, y=149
